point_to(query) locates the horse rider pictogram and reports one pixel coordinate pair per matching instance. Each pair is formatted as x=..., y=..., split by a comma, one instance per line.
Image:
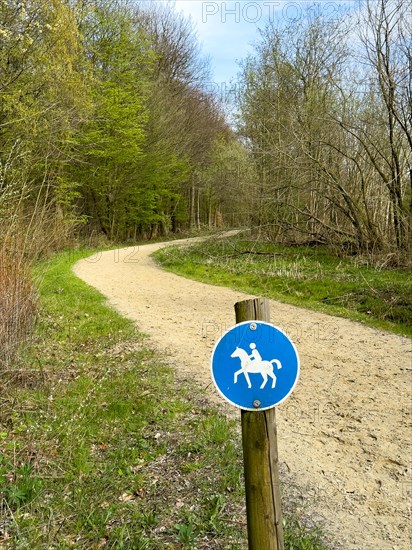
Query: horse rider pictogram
x=254, y=364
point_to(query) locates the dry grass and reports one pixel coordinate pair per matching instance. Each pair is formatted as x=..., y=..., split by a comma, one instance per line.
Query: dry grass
x=28, y=237
x=18, y=305
x=32, y=226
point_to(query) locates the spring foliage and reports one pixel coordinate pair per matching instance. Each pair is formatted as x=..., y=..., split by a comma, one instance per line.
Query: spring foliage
x=106, y=104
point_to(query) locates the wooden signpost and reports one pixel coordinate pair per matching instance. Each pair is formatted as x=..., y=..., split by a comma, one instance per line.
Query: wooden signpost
x=261, y=383
x=260, y=458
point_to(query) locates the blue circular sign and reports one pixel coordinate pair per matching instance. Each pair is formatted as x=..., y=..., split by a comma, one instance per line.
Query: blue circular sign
x=255, y=366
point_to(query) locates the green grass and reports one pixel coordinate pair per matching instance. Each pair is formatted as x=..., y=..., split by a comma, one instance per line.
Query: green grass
x=102, y=447
x=311, y=277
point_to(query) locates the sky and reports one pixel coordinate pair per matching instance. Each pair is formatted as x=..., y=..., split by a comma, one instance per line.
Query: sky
x=228, y=29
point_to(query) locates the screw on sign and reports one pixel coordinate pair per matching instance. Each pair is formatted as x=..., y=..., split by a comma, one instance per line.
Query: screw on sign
x=255, y=366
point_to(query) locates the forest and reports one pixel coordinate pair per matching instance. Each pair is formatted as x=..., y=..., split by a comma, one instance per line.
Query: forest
x=326, y=111
x=107, y=125
x=113, y=134
x=109, y=129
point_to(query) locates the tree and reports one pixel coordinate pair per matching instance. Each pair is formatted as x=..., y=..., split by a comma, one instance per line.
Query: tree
x=109, y=146
x=184, y=120
x=327, y=121
x=43, y=99
x=386, y=37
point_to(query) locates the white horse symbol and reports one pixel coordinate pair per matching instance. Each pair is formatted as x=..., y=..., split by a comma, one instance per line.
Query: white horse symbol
x=248, y=365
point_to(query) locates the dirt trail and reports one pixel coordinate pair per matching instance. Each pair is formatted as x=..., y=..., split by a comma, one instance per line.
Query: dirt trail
x=344, y=434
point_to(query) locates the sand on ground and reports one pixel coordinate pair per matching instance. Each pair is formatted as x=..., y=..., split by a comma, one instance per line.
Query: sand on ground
x=344, y=435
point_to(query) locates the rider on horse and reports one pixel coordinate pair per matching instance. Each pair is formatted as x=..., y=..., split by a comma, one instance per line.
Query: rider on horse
x=255, y=355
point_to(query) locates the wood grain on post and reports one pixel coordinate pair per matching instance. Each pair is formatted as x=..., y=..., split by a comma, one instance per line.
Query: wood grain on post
x=260, y=458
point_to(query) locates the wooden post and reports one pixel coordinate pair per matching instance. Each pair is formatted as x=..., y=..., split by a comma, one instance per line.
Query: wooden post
x=260, y=458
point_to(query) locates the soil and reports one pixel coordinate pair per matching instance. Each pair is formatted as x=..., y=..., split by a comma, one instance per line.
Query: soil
x=344, y=435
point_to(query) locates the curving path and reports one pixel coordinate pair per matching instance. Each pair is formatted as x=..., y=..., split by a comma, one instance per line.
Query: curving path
x=344, y=434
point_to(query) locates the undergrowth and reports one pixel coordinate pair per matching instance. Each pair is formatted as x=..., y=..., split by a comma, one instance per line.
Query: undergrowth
x=103, y=447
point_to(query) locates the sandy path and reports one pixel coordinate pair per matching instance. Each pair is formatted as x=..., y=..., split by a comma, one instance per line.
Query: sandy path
x=344, y=434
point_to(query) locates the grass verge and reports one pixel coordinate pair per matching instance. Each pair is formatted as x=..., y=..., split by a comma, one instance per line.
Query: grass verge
x=102, y=447
x=311, y=277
